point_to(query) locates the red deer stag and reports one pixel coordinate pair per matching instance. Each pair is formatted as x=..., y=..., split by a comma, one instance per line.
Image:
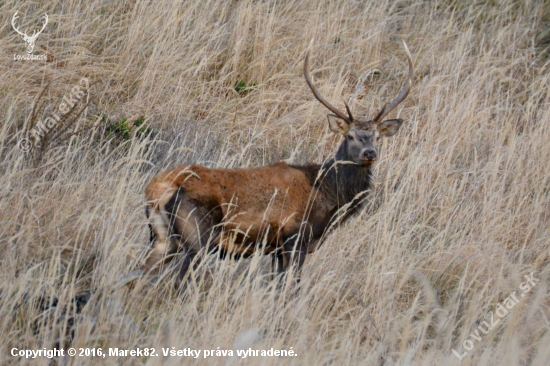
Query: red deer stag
x=285, y=207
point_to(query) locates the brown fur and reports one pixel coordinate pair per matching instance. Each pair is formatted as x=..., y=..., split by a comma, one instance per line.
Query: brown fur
x=282, y=209
x=251, y=200
x=241, y=209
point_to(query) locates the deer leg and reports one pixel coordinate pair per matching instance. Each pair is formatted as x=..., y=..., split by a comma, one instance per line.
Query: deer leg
x=277, y=263
x=188, y=259
x=195, y=224
x=162, y=244
x=295, y=255
x=296, y=248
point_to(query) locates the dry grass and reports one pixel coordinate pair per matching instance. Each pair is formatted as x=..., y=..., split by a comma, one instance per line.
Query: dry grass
x=460, y=211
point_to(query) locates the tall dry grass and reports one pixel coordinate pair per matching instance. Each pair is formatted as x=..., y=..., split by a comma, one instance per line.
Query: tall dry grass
x=459, y=213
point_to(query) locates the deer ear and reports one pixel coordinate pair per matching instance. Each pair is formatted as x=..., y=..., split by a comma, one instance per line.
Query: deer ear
x=337, y=125
x=389, y=127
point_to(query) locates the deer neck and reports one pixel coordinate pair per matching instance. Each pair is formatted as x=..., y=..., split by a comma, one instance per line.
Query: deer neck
x=342, y=180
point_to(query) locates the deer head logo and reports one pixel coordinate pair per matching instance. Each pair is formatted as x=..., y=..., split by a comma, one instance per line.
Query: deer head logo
x=29, y=39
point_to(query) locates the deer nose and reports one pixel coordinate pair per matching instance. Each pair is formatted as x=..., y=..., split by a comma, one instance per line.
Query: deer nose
x=369, y=154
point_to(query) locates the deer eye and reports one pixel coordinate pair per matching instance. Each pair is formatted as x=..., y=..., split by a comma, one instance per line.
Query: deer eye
x=378, y=138
x=350, y=137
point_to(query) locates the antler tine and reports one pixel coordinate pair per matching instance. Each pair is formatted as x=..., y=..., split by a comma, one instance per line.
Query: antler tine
x=404, y=92
x=319, y=97
x=349, y=111
x=378, y=116
x=43, y=26
x=13, y=19
x=45, y=22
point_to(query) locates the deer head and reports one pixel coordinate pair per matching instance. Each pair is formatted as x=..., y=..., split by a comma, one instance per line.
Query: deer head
x=29, y=39
x=362, y=136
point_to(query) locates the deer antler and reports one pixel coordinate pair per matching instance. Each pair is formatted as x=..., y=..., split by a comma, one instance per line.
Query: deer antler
x=404, y=92
x=34, y=34
x=333, y=109
x=14, y=27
